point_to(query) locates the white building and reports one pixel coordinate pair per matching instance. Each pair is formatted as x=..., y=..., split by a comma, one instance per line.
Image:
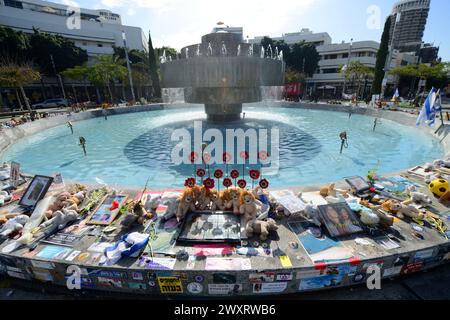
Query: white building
x=97, y=31
x=305, y=35
x=333, y=57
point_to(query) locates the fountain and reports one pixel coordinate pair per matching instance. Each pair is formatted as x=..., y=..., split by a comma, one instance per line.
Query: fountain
x=221, y=78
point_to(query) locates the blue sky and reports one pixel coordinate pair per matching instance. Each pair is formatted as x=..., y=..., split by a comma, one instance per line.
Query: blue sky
x=178, y=23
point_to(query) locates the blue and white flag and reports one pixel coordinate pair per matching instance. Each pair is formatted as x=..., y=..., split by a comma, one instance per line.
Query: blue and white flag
x=396, y=94
x=428, y=114
x=437, y=102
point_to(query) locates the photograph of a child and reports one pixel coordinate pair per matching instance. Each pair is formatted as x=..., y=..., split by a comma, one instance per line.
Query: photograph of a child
x=36, y=191
x=339, y=219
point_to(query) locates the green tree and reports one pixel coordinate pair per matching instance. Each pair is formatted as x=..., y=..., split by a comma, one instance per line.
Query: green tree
x=424, y=72
x=18, y=75
x=79, y=73
x=14, y=45
x=381, y=58
x=293, y=76
x=153, y=65
x=357, y=72
x=65, y=53
x=105, y=71
x=170, y=52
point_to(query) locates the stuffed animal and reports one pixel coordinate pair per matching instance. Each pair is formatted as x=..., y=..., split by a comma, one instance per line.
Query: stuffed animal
x=410, y=211
x=186, y=204
x=391, y=206
x=232, y=201
x=441, y=163
x=59, y=220
x=4, y=197
x=328, y=191
x=418, y=197
x=261, y=228
x=247, y=206
x=14, y=225
x=216, y=201
x=137, y=215
x=203, y=198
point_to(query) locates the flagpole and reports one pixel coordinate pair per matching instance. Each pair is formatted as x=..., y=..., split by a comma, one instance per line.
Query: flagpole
x=440, y=112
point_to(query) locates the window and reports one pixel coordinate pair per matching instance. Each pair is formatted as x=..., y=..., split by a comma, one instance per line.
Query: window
x=14, y=4
x=99, y=45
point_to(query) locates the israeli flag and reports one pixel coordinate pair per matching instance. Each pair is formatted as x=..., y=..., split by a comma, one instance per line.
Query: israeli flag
x=428, y=114
x=437, y=102
x=396, y=94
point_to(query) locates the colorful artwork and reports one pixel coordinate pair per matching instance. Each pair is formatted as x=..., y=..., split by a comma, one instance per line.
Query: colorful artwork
x=107, y=211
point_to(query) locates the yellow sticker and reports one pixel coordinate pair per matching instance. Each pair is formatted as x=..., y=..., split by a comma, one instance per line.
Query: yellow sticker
x=285, y=262
x=170, y=285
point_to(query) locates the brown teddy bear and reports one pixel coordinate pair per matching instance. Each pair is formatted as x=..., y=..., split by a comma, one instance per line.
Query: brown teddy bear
x=202, y=198
x=186, y=204
x=232, y=200
x=247, y=206
x=216, y=201
x=255, y=227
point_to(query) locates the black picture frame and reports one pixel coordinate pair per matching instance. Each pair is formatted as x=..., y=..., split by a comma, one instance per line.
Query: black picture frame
x=35, y=191
x=339, y=219
x=357, y=183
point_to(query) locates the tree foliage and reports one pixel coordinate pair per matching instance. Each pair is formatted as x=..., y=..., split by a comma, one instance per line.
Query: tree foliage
x=14, y=45
x=153, y=65
x=65, y=53
x=381, y=58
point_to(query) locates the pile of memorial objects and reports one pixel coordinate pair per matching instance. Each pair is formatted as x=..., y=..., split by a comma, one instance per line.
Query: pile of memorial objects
x=37, y=209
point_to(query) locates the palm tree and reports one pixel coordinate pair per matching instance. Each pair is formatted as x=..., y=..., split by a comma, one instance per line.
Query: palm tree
x=79, y=73
x=107, y=70
x=18, y=75
x=356, y=71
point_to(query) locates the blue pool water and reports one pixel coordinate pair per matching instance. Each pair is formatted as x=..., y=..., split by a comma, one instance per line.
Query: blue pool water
x=126, y=150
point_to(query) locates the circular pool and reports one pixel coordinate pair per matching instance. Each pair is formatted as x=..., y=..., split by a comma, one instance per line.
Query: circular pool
x=127, y=149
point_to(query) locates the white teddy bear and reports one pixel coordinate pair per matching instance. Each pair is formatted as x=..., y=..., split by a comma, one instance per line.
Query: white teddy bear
x=14, y=225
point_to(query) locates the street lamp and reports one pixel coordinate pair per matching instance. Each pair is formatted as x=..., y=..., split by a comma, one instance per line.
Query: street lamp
x=128, y=65
x=345, y=67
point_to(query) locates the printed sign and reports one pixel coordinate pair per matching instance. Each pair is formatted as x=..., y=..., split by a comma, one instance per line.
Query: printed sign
x=275, y=287
x=224, y=289
x=170, y=285
x=412, y=267
x=137, y=276
x=284, y=277
x=110, y=283
x=261, y=277
x=195, y=288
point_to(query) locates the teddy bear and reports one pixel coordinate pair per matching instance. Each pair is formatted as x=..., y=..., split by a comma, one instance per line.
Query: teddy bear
x=247, y=206
x=216, y=201
x=233, y=200
x=401, y=209
x=65, y=200
x=4, y=197
x=186, y=204
x=261, y=228
x=59, y=220
x=202, y=197
x=14, y=225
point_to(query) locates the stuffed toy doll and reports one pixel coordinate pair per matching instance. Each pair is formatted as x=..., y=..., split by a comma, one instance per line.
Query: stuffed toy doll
x=216, y=201
x=261, y=228
x=14, y=225
x=186, y=204
x=247, y=206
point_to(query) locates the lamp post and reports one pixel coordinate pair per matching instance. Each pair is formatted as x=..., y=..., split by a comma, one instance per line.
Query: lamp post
x=128, y=65
x=58, y=76
x=346, y=66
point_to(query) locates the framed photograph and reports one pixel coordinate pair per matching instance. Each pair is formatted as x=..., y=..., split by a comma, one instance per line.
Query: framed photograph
x=108, y=209
x=359, y=184
x=36, y=190
x=339, y=219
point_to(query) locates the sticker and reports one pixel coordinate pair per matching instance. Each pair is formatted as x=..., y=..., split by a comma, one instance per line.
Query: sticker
x=110, y=283
x=42, y=264
x=229, y=264
x=137, y=286
x=160, y=263
x=359, y=277
x=199, y=278
x=137, y=276
x=446, y=257
x=83, y=257
x=152, y=283
x=42, y=274
x=261, y=277
x=30, y=254
x=224, y=278
x=285, y=262
x=72, y=255
x=224, y=289
x=424, y=254
x=170, y=285
x=308, y=273
x=191, y=263
x=195, y=288
x=181, y=275
x=275, y=287
x=390, y=272
x=412, y=267
x=285, y=276
x=14, y=274
x=87, y=282
x=108, y=273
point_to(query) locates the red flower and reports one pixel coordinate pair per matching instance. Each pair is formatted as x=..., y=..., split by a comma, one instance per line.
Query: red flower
x=264, y=184
x=244, y=155
x=226, y=157
x=242, y=183
x=190, y=183
x=209, y=183
x=201, y=172
x=254, y=174
x=234, y=174
x=227, y=182
x=218, y=174
x=193, y=156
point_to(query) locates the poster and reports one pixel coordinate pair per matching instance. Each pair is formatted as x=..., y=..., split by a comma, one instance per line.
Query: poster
x=339, y=219
x=170, y=285
x=54, y=252
x=276, y=287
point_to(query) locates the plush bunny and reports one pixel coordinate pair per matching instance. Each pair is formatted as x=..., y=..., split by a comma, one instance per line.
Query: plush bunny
x=14, y=225
x=419, y=197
